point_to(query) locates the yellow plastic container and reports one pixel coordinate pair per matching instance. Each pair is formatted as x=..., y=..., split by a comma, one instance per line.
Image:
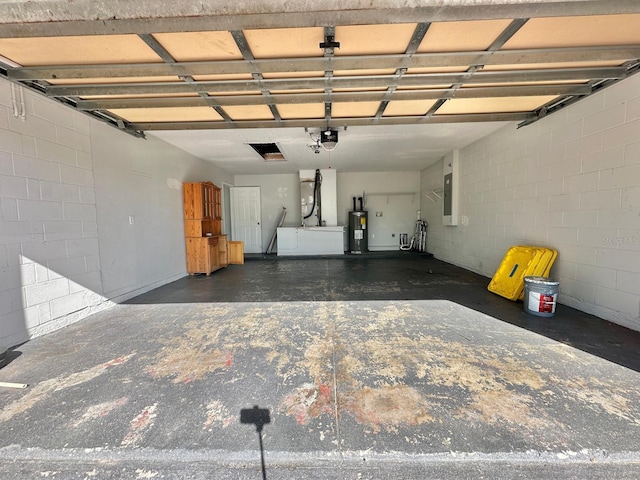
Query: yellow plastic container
x=542, y=268
x=519, y=262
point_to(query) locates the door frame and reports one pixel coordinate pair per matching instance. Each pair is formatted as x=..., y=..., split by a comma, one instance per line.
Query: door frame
x=227, y=210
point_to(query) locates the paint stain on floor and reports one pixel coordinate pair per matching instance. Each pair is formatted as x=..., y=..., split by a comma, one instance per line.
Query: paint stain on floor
x=217, y=416
x=601, y=395
x=142, y=474
x=388, y=407
x=400, y=368
x=501, y=406
x=101, y=410
x=140, y=426
x=309, y=401
x=188, y=363
x=189, y=357
x=44, y=389
x=379, y=365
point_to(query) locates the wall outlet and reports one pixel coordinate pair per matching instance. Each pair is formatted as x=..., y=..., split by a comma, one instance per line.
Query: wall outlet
x=378, y=214
x=131, y=220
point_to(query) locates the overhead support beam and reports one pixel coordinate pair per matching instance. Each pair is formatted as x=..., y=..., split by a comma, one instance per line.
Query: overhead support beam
x=157, y=48
x=335, y=97
x=364, y=62
x=633, y=67
x=434, y=108
x=117, y=122
x=356, y=121
x=247, y=54
x=361, y=82
x=162, y=52
x=515, y=25
x=479, y=63
x=416, y=39
x=26, y=18
x=329, y=46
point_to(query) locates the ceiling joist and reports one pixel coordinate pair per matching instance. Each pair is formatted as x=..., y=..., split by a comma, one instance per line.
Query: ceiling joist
x=155, y=65
x=460, y=118
x=334, y=97
x=361, y=82
x=362, y=62
x=26, y=18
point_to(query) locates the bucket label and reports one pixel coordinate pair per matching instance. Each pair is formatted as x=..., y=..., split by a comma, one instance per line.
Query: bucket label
x=542, y=303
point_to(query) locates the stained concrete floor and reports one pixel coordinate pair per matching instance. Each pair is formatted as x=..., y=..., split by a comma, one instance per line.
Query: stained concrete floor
x=384, y=366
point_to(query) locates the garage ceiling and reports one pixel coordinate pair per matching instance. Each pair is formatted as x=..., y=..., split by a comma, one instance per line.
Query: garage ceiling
x=414, y=78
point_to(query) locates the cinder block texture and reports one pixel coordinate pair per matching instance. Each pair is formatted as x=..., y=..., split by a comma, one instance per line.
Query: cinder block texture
x=66, y=196
x=45, y=196
x=581, y=193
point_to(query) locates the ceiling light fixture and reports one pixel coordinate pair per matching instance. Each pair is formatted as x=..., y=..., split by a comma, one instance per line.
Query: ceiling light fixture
x=315, y=146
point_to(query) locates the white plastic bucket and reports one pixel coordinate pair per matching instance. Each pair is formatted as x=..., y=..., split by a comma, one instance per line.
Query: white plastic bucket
x=540, y=296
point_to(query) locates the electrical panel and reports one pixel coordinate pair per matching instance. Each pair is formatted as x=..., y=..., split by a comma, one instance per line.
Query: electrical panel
x=451, y=186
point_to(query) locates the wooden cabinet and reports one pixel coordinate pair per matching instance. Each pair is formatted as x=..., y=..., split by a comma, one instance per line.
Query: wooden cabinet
x=202, y=209
x=236, y=252
x=207, y=248
x=206, y=254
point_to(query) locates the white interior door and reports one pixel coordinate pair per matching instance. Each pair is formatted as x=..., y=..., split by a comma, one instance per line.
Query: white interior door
x=246, y=217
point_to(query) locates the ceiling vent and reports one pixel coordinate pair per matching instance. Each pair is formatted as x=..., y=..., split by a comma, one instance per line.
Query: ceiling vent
x=268, y=151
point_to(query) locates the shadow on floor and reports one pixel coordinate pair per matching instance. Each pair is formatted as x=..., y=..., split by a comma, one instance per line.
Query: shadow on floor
x=8, y=355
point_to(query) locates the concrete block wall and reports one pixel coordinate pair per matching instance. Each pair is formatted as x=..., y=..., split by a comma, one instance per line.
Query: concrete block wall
x=570, y=181
x=139, y=206
x=69, y=185
x=276, y=191
x=49, y=254
x=399, y=212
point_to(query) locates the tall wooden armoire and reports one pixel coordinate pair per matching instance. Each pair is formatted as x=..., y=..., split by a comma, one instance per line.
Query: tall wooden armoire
x=206, y=246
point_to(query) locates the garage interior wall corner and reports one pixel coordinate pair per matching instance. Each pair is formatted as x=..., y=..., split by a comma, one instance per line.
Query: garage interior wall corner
x=89, y=216
x=571, y=182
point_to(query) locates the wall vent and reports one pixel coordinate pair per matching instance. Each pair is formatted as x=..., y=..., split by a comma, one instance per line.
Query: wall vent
x=268, y=151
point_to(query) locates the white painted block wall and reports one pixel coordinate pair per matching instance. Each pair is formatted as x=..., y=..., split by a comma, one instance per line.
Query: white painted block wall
x=68, y=185
x=138, y=187
x=570, y=181
x=328, y=195
x=276, y=191
x=49, y=251
x=399, y=212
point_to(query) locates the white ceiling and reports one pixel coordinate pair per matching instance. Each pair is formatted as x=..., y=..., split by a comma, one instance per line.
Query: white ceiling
x=359, y=149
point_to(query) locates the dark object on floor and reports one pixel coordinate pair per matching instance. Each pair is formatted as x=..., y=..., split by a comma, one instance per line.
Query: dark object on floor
x=3, y=357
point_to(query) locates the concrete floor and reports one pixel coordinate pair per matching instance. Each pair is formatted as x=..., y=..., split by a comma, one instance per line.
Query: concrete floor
x=380, y=366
